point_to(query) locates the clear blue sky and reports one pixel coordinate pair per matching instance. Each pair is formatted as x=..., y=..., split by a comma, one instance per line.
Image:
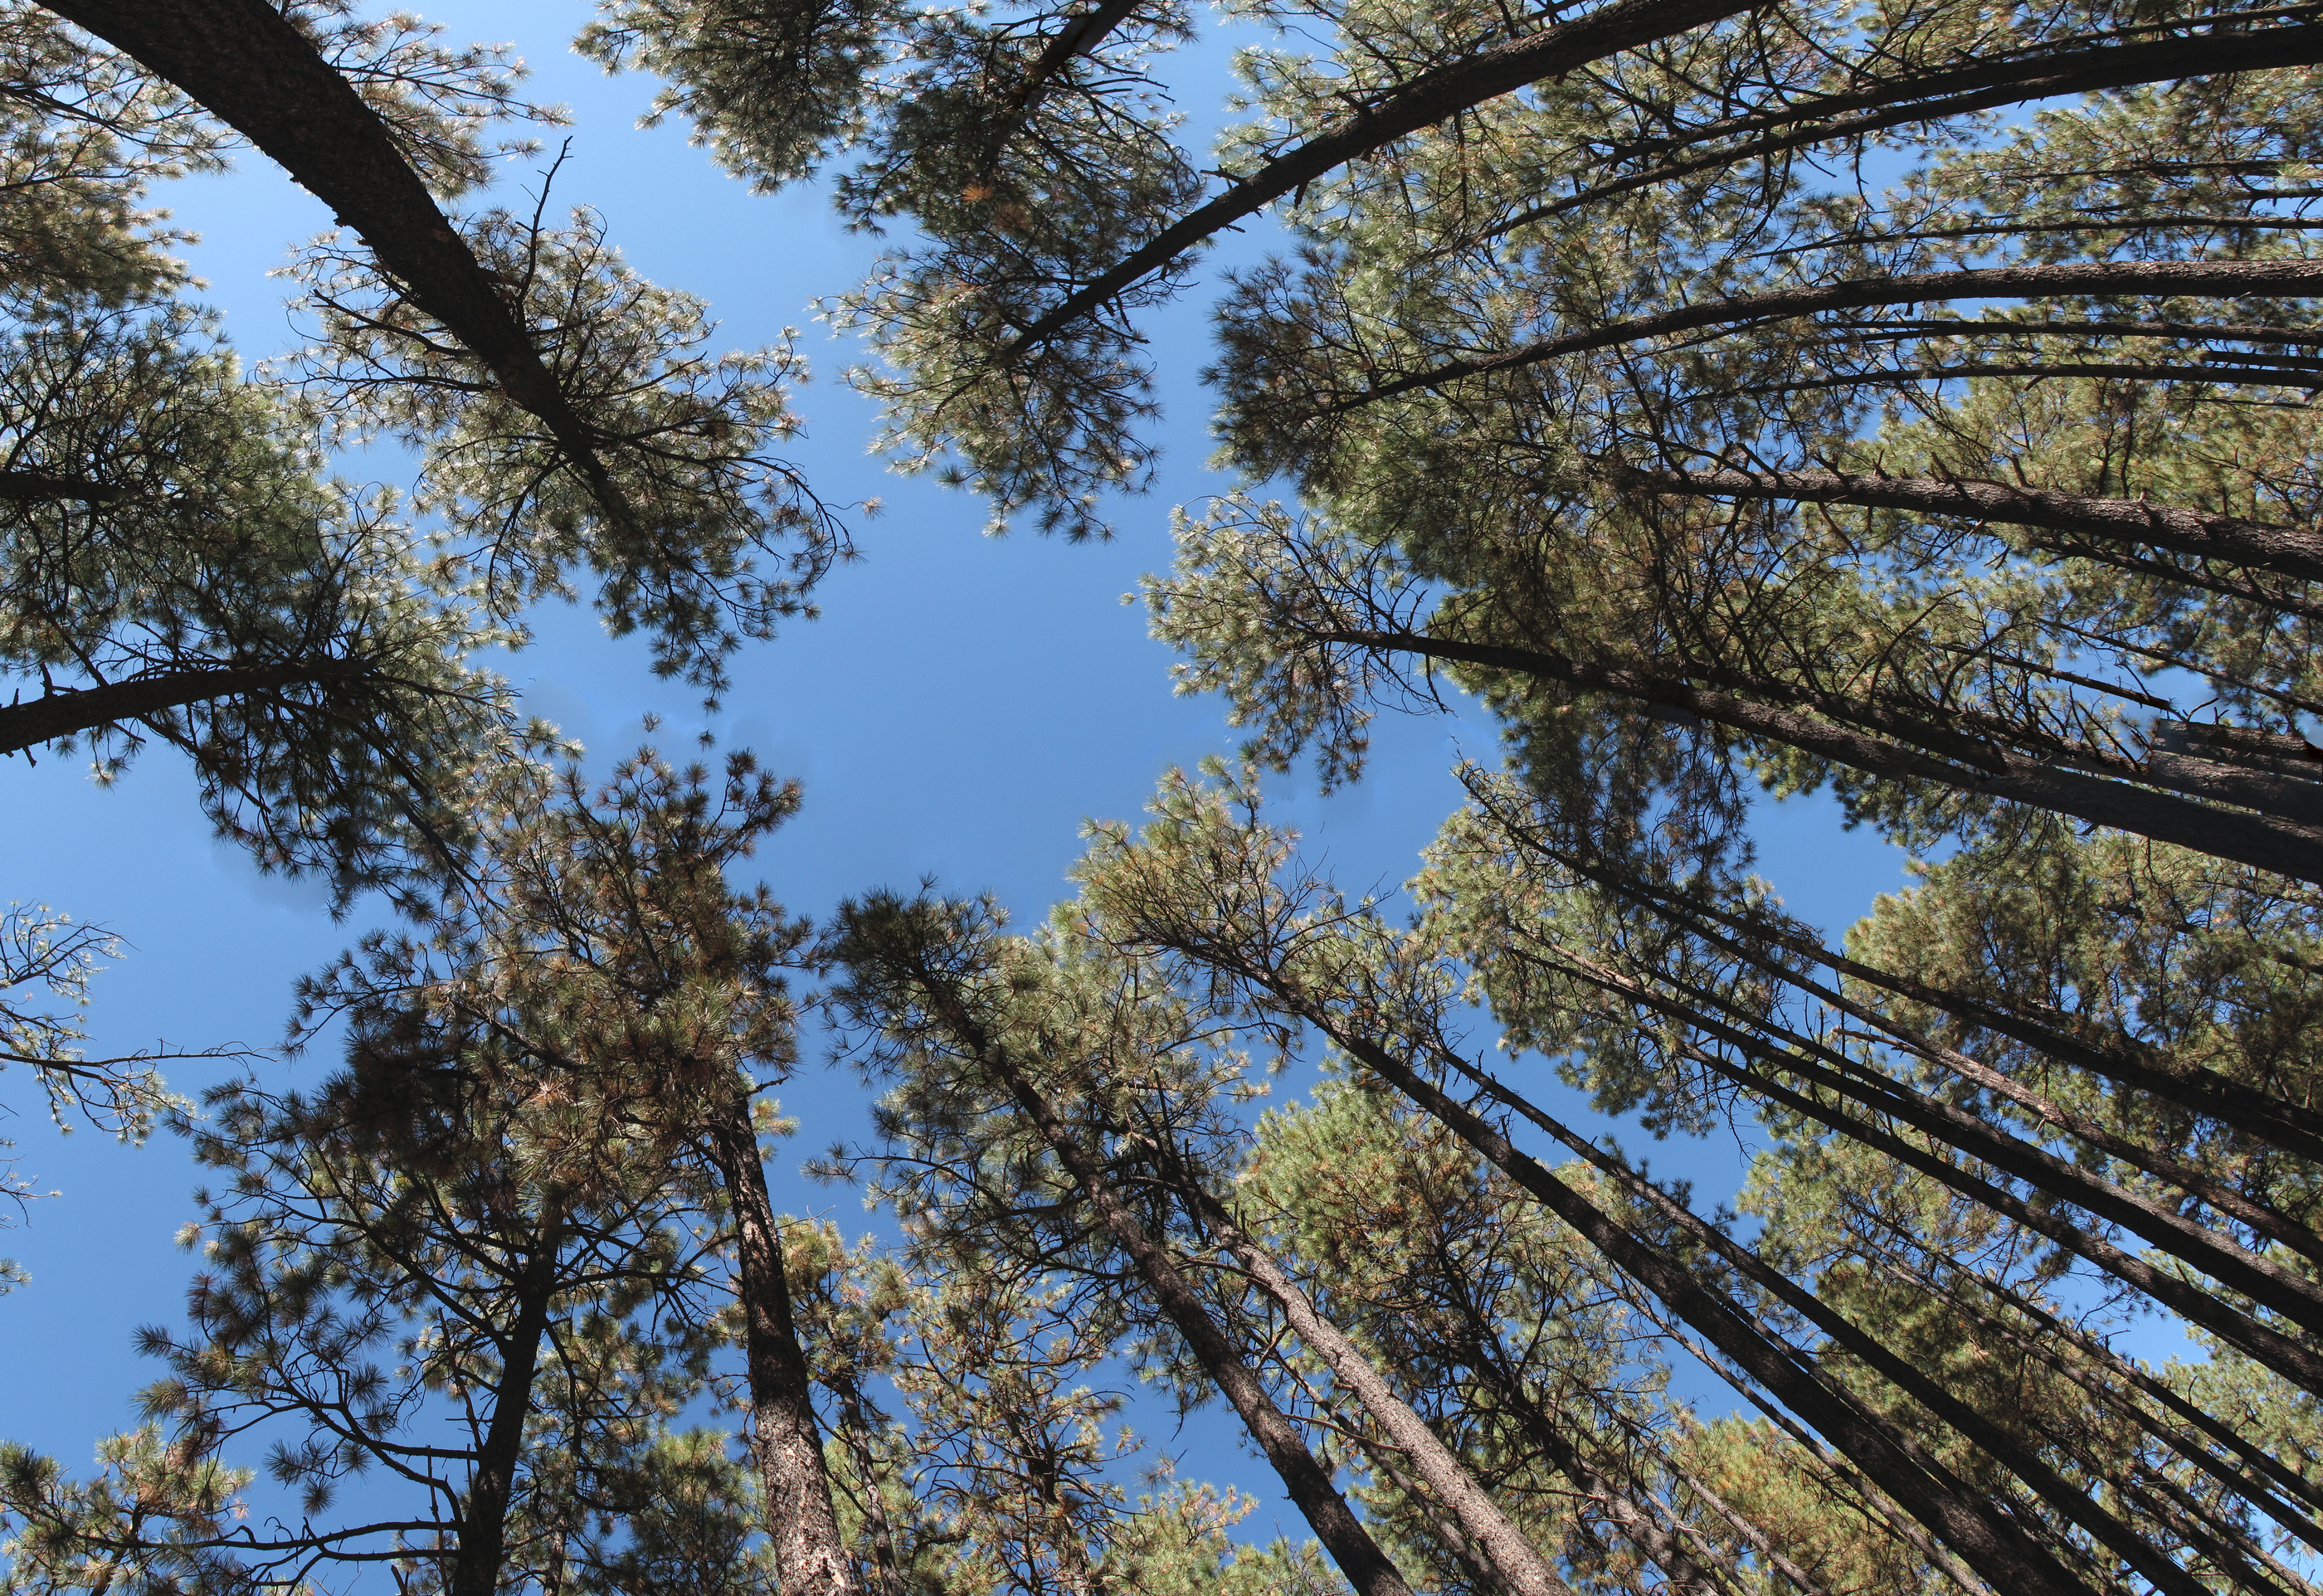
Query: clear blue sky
x=963, y=704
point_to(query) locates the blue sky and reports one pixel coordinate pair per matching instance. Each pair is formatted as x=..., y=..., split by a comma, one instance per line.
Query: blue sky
x=962, y=707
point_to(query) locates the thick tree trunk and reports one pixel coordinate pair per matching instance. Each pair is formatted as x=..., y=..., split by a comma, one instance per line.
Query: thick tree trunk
x=1514, y=1560
x=491, y=1484
x=2289, y=551
x=1427, y=100
x=247, y=65
x=52, y=715
x=809, y=1557
x=2263, y=841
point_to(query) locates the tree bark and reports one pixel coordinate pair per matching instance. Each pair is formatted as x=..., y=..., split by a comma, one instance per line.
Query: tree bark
x=53, y=715
x=1640, y=1526
x=491, y=1484
x=1343, y=1535
x=1425, y=101
x=2289, y=551
x=2226, y=279
x=809, y=1557
x=245, y=63
x=2051, y=1487
x=1996, y=1548
x=1961, y=91
x=2263, y=841
x=2286, y=1355
x=1514, y=1559
x=2082, y=1375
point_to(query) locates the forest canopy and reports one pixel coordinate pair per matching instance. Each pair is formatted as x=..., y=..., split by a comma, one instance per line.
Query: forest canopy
x=1911, y=402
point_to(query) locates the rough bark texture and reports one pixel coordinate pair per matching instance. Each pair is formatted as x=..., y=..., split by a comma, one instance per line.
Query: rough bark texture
x=809, y=1557
x=1427, y=100
x=1516, y=1562
x=243, y=62
x=2289, y=551
x=2265, y=841
x=1342, y=1534
x=53, y=715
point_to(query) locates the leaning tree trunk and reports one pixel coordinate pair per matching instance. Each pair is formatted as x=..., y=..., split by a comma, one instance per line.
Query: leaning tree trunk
x=1342, y=1534
x=809, y=1557
x=1515, y=1560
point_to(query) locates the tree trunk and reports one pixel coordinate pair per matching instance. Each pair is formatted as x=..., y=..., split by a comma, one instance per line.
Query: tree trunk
x=491, y=1483
x=2221, y=279
x=1824, y=119
x=2262, y=841
x=1343, y=1535
x=809, y=1557
x=2289, y=551
x=52, y=715
x=1641, y=1526
x=1514, y=1559
x=1997, y=1547
x=2291, y=1127
x=1427, y=100
x=2234, y=1266
x=2260, y=1218
x=2028, y=1466
x=245, y=63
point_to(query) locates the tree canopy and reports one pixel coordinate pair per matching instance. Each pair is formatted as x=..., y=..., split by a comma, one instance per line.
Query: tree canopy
x=1905, y=401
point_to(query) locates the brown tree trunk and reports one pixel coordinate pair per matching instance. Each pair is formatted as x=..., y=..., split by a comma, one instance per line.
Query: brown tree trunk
x=2260, y=840
x=2260, y=1218
x=809, y=1557
x=245, y=63
x=491, y=1483
x=1515, y=1560
x=2289, y=551
x=1639, y=1525
x=52, y=715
